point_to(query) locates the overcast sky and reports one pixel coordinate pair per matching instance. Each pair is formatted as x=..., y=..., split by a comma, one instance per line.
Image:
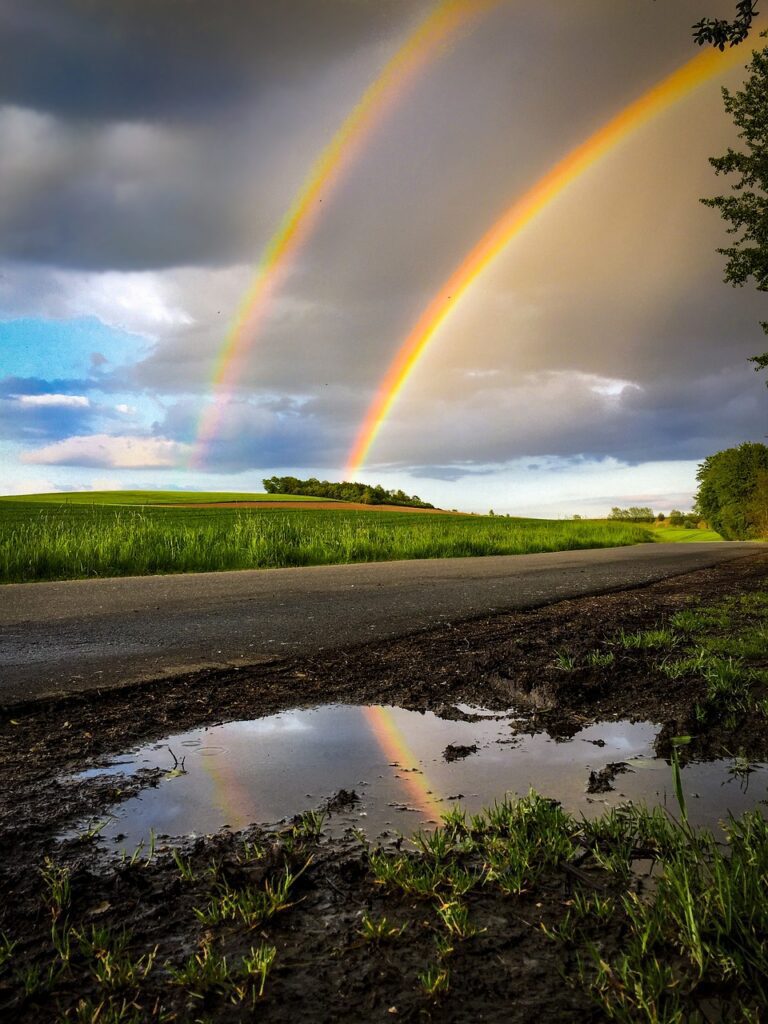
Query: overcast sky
x=149, y=149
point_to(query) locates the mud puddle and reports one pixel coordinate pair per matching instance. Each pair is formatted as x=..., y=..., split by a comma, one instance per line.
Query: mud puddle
x=387, y=770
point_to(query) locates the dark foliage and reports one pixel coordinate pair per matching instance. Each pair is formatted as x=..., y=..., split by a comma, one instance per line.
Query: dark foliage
x=367, y=494
x=632, y=515
x=745, y=208
x=721, y=32
x=733, y=491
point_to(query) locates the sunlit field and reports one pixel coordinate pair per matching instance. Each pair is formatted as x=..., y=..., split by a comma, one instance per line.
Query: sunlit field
x=150, y=497
x=680, y=535
x=44, y=541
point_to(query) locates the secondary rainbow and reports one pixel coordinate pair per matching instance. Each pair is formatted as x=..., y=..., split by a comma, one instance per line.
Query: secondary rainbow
x=411, y=58
x=675, y=87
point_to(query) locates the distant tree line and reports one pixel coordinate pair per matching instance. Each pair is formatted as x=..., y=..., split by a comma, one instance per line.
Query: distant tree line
x=690, y=520
x=733, y=491
x=632, y=515
x=366, y=494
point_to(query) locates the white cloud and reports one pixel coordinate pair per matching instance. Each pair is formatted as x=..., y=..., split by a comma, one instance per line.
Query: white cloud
x=30, y=485
x=126, y=410
x=59, y=401
x=111, y=451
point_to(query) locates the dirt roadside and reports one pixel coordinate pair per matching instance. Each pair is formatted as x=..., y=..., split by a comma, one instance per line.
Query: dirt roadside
x=510, y=972
x=495, y=662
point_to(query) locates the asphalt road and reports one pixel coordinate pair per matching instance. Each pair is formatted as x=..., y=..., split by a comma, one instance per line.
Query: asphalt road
x=88, y=634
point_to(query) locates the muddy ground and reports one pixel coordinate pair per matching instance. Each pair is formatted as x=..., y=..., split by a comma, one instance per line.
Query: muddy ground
x=324, y=971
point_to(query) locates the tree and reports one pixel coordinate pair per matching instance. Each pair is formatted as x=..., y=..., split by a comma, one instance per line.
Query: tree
x=632, y=515
x=369, y=494
x=746, y=207
x=720, y=31
x=733, y=491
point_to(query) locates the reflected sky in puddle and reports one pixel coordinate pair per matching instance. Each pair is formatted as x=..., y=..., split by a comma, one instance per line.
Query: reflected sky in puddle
x=272, y=768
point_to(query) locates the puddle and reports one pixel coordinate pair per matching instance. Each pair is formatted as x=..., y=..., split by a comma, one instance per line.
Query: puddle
x=269, y=769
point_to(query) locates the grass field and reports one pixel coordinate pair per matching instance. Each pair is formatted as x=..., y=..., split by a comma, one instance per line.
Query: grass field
x=150, y=497
x=40, y=540
x=679, y=535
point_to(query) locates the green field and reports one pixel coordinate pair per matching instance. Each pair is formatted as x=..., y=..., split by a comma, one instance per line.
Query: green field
x=150, y=497
x=44, y=540
x=679, y=535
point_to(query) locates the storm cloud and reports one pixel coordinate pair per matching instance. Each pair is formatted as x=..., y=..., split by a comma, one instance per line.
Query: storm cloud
x=149, y=149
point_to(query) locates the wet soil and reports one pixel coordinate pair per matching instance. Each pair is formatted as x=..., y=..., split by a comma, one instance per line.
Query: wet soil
x=325, y=972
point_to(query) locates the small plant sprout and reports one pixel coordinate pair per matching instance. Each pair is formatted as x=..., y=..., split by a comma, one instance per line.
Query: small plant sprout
x=600, y=659
x=259, y=963
x=7, y=946
x=151, y=850
x=61, y=940
x=593, y=906
x=110, y=962
x=106, y=1011
x=251, y=905
x=249, y=852
x=564, y=661
x=136, y=855
x=455, y=821
x=202, y=972
x=647, y=639
x=677, y=776
x=309, y=826
x=435, y=845
x=435, y=981
x=455, y=918
x=56, y=887
x=186, y=871
x=35, y=980
x=741, y=769
x=93, y=830
x=379, y=931
x=563, y=931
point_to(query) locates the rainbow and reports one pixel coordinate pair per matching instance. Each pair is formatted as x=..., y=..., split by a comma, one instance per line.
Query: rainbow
x=325, y=176
x=519, y=215
x=393, y=745
x=235, y=798
x=231, y=793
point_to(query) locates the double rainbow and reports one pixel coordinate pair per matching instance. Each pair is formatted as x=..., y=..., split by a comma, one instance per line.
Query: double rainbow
x=421, y=46
x=671, y=90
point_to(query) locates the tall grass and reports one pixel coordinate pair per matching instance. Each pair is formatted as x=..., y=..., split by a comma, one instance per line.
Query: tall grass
x=44, y=544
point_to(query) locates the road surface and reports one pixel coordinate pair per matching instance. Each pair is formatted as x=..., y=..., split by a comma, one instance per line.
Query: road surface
x=57, y=638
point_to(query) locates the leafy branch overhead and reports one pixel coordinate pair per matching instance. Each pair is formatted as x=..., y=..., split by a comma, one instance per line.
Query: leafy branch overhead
x=745, y=208
x=720, y=32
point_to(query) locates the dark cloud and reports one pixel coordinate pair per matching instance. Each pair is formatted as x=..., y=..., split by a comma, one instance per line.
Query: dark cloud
x=259, y=434
x=107, y=170
x=161, y=59
x=169, y=137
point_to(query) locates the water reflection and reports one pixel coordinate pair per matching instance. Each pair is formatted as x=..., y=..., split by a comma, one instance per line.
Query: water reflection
x=271, y=768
